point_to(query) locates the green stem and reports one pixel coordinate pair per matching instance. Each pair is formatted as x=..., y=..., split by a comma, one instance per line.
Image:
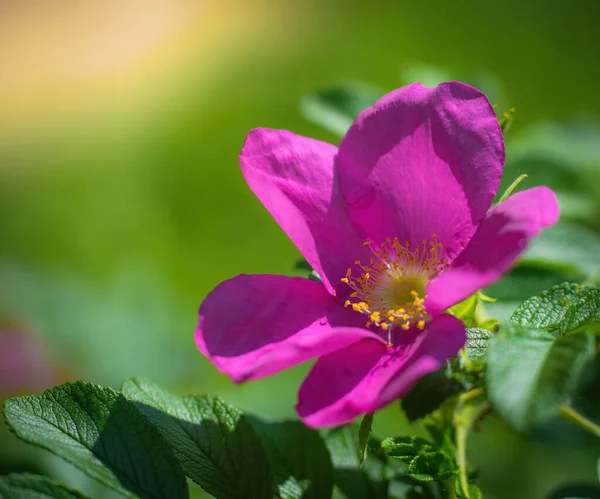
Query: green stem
x=572, y=415
x=450, y=488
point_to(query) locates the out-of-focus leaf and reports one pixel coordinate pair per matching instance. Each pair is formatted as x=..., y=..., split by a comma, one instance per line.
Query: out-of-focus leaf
x=216, y=446
x=299, y=459
x=465, y=310
x=335, y=108
x=364, y=431
x=28, y=486
x=576, y=491
x=428, y=394
x=565, y=247
x=530, y=373
x=104, y=434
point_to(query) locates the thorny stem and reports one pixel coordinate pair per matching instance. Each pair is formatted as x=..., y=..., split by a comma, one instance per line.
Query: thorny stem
x=572, y=415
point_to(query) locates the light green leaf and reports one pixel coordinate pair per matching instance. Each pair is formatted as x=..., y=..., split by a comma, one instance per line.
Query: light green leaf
x=584, y=313
x=530, y=373
x=101, y=432
x=465, y=310
x=28, y=486
x=335, y=108
x=565, y=247
x=217, y=447
x=477, y=342
x=547, y=309
x=426, y=462
x=299, y=459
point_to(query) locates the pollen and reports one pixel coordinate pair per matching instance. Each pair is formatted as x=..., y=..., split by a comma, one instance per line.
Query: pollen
x=390, y=289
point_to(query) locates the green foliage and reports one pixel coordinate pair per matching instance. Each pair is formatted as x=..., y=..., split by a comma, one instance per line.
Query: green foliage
x=477, y=342
x=576, y=491
x=584, y=314
x=426, y=461
x=531, y=373
x=28, y=486
x=364, y=431
x=547, y=310
x=216, y=446
x=428, y=394
x=102, y=433
x=506, y=120
x=299, y=459
x=465, y=310
x=335, y=108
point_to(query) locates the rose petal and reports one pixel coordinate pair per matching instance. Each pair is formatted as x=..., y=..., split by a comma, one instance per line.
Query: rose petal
x=294, y=178
x=365, y=376
x=423, y=161
x=252, y=326
x=502, y=236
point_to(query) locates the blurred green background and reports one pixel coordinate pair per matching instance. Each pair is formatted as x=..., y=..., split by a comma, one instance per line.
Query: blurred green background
x=122, y=205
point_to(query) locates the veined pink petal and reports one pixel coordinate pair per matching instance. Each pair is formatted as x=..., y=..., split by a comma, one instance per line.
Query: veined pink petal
x=365, y=375
x=421, y=162
x=294, y=178
x=502, y=236
x=252, y=326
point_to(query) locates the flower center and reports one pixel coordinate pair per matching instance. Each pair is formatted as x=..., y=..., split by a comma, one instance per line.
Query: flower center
x=390, y=290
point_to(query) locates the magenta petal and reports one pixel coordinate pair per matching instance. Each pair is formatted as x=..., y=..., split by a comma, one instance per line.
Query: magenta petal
x=252, y=326
x=423, y=161
x=365, y=375
x=293, y=177
x=502, y=236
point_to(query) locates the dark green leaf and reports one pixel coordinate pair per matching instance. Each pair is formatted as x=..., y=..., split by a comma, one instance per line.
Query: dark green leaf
x=584, y=314
x=334, y=109
x=547, y=309
x=28, y=486
x=428, y=394
x=576, y=491
x=426, y=462
x=104, y=434
x=363, y=436
x=477, y=342
x=214, y=442
x=299, y=459
x=531, y=373
x=352, y=482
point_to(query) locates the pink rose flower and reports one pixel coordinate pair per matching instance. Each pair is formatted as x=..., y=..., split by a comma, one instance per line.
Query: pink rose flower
x=396, y=223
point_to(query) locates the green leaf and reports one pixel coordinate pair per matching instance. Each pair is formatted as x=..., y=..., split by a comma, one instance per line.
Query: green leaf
x=26, y=485
x=101, y=432
x=426, y=462
x=530, y=373
x=363, y=435
x=477, y=342
x=217, y=447
x=584, y=313
x=491, y=325
x=547, y=309
x=299, y=459
x=576, y=491
x=351, y=481
x=465, y=310
x=565, y=247
x=428, y=394
x=335, y=108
